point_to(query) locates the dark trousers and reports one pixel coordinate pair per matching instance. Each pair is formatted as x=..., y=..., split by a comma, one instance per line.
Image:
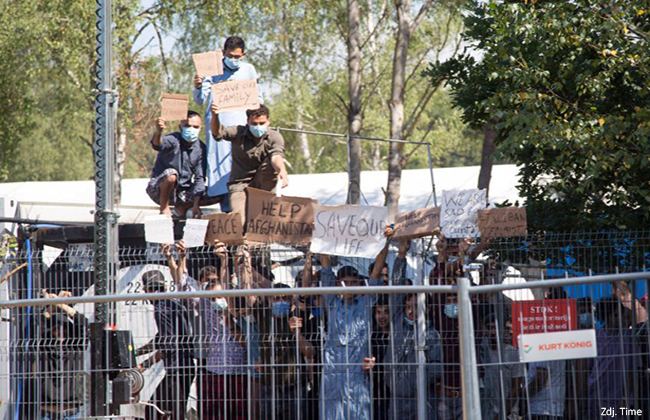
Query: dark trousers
x=225, y=397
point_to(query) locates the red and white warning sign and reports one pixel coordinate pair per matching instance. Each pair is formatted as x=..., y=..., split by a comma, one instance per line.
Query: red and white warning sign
x=548, y=315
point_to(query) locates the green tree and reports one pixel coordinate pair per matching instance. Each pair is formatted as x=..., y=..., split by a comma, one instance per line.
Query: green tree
x=566, y=84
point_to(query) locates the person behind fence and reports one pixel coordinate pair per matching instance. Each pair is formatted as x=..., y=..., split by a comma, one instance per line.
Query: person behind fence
x=380, y=342
x=257, y=155
x=347, y=354
x=177, y=174
x=60, y=358
x=225, y=384
x=402, y=355
x=172, y=345
x=611, y=374
x=503, y=375
x=546, y=389
x=286, y=354
x=219, y=158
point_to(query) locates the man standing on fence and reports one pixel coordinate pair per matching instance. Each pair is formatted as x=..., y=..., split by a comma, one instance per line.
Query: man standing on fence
x=219, y=157
x=257, y=155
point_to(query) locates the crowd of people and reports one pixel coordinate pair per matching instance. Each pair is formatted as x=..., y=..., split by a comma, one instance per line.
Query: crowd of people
x=357, y=356
x=330, y=356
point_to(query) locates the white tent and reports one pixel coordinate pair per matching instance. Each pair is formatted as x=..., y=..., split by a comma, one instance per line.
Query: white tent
x=73, y=201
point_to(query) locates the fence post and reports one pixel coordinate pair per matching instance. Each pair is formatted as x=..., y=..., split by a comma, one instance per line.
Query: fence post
x=468, y=366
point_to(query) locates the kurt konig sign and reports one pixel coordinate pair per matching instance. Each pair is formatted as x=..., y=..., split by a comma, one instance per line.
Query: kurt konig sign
x=557, y=345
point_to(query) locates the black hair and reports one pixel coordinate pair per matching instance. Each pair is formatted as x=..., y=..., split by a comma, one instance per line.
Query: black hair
x=234, y=42
x=153, y=281
x=347, y=271
x=262, y=110
x=382, y=300
x=372, y=266
x=191, y=114
x=606, y=307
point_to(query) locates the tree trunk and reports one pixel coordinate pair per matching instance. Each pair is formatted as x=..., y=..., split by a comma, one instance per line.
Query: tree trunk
x=303, y=141
x=396, y=105
x=354, y=93
x=487, y=157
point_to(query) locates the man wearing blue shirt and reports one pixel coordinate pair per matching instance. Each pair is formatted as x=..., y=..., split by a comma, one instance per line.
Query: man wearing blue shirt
x=219, y=159
x=177, y=175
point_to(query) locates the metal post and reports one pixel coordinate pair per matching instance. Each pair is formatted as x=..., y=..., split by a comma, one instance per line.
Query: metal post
x=468, y=366
x=423, y=389
x=433, y=184
x=105, y=238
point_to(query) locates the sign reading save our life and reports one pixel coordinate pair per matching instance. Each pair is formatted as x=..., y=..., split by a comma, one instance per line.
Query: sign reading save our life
x=557, y=346
x=352, y=231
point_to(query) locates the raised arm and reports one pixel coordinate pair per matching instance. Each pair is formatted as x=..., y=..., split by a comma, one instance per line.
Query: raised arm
x=201, y=89
x=277, y=161
x=156, y=139
x=172, y=264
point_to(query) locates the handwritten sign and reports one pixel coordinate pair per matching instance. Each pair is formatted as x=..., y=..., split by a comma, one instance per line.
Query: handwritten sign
x=281, y=220
x=353, y=231
x=81, y=257
x=459, y=212
x=225, y=227
x=548, y=315
x=194, y=232
x=174, y=107
x=236, y=95
x=417, y=223
x=159, y=229
x=208, y=63
x=502, y=222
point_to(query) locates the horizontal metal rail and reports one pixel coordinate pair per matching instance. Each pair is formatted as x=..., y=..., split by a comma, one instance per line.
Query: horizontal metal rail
x=321, y=133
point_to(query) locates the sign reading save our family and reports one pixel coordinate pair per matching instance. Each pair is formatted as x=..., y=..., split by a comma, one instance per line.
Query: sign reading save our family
x=282, y=220
x=459, y=212
x=501, y=222
x=353, y=231
x=236, y=95
x=417, y=223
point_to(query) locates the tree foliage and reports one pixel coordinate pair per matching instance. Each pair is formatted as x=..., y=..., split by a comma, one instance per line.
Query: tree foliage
x=567, y=84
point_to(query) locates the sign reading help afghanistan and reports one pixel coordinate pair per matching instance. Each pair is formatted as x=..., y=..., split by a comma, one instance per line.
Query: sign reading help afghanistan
x=174, y=107
x=282, y=220
x=417, y=223
x=548, y=315
x=208, y=63
x=558, y=346
x=224, y=227
x=351, y=231
x=459, y=212
x=501, y=222
x=236, y=95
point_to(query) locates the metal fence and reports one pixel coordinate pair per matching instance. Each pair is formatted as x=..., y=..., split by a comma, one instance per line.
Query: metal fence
x=273, y=333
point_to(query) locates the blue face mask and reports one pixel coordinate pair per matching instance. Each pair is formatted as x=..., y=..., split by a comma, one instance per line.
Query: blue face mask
x=408, y=321
x=586, y=320
x=231, y=63
x=190, y=134
x=451, y=310
x=219, y=305
x=281, y=309
x=257, y=130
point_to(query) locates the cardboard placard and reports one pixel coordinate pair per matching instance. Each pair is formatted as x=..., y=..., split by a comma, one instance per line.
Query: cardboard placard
x=194, y=232
x=502, y=222
x=224, y=227
x=208, y=63
x=417, y=223
x=174, y=107
x=236, y=95
x=280, y=220
x=159, y=229
x=547, y=315
x=352, y=231
x=459, y=212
